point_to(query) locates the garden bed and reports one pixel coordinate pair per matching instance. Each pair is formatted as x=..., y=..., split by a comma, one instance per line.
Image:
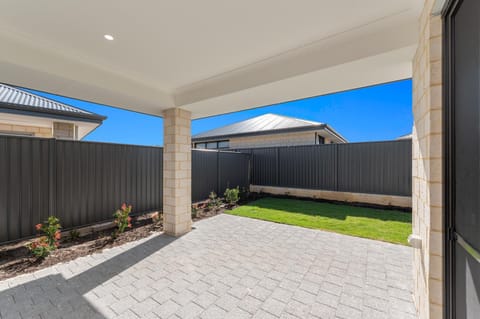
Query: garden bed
x=16, y=259
x=23, y=257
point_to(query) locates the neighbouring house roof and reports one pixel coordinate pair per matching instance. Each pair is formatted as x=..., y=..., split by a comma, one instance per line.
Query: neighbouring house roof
x=18, y=101
x=265, y=124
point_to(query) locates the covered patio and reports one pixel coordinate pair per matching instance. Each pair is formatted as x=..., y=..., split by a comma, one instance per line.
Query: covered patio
x=186, y=60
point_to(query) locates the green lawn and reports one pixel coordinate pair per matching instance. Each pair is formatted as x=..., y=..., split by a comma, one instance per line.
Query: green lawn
x=385, y=225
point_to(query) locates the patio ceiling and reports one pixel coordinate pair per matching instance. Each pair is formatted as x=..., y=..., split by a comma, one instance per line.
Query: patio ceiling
x=210, y=56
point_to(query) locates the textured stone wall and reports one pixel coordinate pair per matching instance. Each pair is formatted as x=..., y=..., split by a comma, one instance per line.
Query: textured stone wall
x=284, y=139
x=64, y=131
x=427, y=197
x=177, y=172
x=24, y=129
x=376, y=199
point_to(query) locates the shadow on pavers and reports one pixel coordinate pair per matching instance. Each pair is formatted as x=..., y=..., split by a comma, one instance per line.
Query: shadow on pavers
x=53, y=296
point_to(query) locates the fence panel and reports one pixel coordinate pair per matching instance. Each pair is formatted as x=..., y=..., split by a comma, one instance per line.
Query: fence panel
x=376, y=168
x=264, y=166
x=204, y=174
x=308, y=167
x=373, y=167
x=93, y=179
x=25, y=191
x=215, y=171
x=233, y=171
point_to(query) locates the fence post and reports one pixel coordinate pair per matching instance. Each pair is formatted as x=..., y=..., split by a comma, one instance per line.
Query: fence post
x=52, y=177
x=277, y=166
x=337, y=164
x=218, y=173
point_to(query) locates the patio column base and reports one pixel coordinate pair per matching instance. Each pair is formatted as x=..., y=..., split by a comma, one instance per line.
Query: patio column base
x=177, y=172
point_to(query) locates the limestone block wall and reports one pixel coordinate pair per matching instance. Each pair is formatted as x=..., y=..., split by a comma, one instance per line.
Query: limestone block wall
x=427, y=197
x=65, y=131
x=283, y=139
x=27, y=130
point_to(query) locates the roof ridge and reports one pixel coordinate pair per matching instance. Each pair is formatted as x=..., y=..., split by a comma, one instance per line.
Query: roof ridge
x=294, y=118
x=263, y=122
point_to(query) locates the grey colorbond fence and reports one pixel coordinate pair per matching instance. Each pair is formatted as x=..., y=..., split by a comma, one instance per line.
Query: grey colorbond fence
x=215, y=171
x=83, y=182
x=372, y=168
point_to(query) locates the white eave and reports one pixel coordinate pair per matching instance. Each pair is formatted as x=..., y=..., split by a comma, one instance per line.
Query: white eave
x=209, y=57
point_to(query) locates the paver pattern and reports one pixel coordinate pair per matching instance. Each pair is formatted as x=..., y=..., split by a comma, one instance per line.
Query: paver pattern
x=227, y=267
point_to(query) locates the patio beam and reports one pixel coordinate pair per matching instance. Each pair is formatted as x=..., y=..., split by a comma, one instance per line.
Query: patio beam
x=177, y=172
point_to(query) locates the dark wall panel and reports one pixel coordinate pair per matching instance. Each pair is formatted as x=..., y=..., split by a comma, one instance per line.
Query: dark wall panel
x=204, y=174
x=374, y=167
x=79, y=182
x=215, y=171
x=25, y=191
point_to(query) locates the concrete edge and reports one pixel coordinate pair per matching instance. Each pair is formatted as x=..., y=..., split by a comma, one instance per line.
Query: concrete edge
x=375, y=199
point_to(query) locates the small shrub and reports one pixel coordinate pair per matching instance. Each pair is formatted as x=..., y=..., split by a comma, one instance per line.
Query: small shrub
x=122, y=219
x=194, y=212
x=232, y=195
x=50, y=229
x=213, y=201
x=40, y=247
x=74, y=234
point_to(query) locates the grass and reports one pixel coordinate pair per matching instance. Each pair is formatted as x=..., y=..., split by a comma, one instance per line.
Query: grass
x=385, y=225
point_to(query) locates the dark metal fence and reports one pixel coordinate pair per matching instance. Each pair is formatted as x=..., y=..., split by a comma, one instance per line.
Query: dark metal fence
x=83, y=183
x=79, y=182
x=215, y=171
x=373, y=167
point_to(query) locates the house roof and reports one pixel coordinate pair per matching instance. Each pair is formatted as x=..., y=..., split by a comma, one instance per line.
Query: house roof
x=265, y=124
x=18, y=101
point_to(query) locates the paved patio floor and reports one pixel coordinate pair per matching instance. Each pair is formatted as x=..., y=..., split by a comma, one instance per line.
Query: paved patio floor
x=227, y=267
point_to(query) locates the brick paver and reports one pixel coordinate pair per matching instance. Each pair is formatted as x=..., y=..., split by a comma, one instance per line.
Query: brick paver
x=227, y=267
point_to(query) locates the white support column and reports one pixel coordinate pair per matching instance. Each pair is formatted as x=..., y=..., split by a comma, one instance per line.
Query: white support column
x=177, y=172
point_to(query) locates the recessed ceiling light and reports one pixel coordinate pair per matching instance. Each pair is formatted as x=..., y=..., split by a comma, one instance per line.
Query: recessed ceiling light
x=108, y=37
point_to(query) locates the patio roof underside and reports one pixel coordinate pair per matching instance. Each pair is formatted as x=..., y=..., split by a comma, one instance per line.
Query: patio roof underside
x=209, y=57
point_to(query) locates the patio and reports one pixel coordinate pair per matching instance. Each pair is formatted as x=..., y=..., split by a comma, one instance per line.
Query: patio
x=227, y=267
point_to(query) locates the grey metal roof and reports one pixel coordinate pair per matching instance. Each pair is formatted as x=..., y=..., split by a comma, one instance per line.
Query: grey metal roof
x=16, y=100
x=263, y=124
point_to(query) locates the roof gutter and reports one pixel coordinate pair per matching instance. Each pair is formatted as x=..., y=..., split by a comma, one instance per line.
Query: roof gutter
x=33, y=111
x=334, y=133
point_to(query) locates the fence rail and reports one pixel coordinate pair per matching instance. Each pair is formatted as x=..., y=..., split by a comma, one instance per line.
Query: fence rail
x=372, y=168
x=84, y=182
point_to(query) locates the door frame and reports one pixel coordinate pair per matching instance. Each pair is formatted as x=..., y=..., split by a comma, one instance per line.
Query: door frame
x=448, y=15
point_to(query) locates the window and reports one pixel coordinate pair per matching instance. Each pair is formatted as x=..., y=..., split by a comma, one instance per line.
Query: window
x=223, y=144
x=321, y=139
x=212, y=145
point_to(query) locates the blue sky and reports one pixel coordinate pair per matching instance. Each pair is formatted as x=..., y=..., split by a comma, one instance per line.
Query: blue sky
x=381, y=112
